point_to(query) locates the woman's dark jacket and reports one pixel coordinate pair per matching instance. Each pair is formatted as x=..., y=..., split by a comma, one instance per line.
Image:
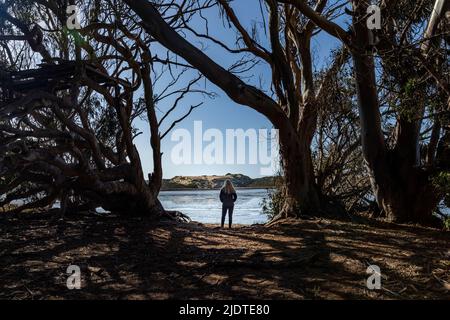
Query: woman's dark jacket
x=227, y=199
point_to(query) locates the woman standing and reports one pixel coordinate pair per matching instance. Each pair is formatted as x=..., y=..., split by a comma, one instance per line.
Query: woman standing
x=227, y=196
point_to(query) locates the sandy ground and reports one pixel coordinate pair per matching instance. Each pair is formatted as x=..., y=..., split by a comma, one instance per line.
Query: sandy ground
x=139, y=259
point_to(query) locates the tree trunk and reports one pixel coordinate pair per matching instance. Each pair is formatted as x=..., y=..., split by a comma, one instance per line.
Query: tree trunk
x=301, y=193
x=409, y=197
x=154, y=179
x=143, y=204
x=402, y=190
x=302, y=196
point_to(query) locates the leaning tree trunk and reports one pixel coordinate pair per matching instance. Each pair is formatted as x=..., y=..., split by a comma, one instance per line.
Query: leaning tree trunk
x=301, y=194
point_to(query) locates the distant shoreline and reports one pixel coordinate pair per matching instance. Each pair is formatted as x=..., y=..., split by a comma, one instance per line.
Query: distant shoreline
x=215, y=189
x=215, y=182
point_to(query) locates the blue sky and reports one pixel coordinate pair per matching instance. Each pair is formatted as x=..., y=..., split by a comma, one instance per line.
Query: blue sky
x=221, y=112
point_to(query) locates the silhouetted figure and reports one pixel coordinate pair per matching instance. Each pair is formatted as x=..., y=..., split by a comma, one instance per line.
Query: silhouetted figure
x=227, y=196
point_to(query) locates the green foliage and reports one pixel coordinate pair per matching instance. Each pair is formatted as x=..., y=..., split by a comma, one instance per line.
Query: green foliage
x=411, y=87
x=271, y=205
x=447, y=223
x=412, y=94
x=441, y=181
x=75, y=35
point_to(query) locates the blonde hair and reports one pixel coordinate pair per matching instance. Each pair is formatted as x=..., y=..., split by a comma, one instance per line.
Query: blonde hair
x=228, y=186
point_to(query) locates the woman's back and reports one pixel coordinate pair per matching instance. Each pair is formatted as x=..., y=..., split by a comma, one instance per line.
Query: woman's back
x=227, y=198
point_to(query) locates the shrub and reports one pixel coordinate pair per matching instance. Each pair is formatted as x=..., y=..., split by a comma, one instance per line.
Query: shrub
x=271, y=205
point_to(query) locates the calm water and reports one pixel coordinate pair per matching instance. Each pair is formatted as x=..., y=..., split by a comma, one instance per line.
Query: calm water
x=204, y=205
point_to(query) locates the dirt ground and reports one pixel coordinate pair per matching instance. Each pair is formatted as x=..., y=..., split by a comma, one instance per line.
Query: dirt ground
x=139, y=259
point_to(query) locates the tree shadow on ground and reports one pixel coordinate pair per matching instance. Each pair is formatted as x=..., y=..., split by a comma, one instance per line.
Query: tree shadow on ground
x=136, y=258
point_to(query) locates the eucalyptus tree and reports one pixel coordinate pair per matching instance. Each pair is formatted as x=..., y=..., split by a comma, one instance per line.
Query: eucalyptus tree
x=411, y=51
x=68, y=125
x=291, y=106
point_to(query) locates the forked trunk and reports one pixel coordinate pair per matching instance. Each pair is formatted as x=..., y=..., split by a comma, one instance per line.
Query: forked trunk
x=402, y=189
